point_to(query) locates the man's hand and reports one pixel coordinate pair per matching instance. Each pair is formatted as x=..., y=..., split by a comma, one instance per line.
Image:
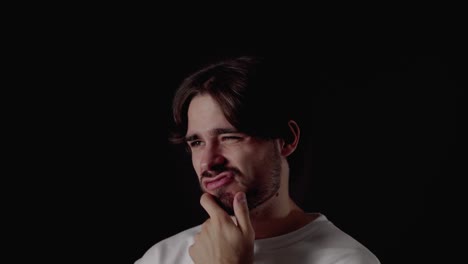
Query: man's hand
x=220, y=240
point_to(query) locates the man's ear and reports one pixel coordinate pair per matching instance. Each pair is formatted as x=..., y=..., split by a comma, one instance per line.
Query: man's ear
x=290, y=143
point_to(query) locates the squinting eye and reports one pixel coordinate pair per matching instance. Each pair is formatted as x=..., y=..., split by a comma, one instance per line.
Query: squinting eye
x=231, y=138
x=194, y=144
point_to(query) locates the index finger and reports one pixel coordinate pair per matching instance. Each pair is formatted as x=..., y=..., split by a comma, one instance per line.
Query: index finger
x=208, y=203
x=241, y=210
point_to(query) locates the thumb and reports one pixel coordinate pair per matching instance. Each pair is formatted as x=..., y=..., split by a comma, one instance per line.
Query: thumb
x=241, y=211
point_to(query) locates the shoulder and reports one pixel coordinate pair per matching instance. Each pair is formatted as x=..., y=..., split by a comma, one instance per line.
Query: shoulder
x=359, y=256
x=346, y=256
x=173, y=249
x=320, y=241
x=340, y=246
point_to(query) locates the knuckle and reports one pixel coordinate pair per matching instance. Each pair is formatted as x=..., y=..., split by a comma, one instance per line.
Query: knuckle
x=203, y=198
x=207, y=222
x=197, y=237
x=191, y=251
x=205, y=225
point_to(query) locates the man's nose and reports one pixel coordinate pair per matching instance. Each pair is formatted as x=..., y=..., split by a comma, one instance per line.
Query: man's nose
x=212, y=158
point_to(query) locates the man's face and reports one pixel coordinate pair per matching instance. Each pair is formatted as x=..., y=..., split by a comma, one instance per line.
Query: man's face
x=228, y=161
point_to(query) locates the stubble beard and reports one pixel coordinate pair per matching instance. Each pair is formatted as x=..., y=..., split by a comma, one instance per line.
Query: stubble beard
x=258, y=191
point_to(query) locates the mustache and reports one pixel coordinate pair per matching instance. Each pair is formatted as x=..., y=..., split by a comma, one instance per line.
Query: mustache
x=215, y=170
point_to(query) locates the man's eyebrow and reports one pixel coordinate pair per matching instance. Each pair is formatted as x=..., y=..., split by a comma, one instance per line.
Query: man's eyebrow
x=192, y=137
x=214, y=132
x=219, y=131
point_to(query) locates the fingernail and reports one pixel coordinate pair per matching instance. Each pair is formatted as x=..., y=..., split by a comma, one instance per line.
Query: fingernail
x=241, y=197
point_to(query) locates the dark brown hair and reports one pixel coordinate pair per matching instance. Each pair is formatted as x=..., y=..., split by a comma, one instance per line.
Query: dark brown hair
x=247, y=90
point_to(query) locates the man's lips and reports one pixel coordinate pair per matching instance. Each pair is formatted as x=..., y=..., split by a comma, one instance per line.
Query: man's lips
x=221, y=179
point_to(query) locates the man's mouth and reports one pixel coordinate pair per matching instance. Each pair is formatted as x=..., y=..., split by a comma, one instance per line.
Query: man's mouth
x=220, y=180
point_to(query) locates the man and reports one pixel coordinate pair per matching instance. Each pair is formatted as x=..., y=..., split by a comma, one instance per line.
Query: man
x=240, y=133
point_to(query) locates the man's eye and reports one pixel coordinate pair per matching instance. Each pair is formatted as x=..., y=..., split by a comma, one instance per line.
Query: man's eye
x=232, y=138
x=194, y=144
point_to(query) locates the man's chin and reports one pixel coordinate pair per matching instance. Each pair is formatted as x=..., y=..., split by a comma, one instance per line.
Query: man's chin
x=225, y=201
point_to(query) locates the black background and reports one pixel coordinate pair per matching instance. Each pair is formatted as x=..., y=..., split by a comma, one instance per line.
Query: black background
x=379, y=144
